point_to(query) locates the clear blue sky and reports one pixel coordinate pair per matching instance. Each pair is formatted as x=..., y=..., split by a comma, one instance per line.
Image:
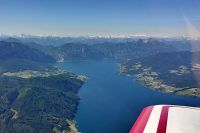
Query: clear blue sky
x=98, y=17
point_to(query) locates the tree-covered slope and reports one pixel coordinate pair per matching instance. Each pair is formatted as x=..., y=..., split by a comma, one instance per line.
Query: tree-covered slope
x=38, y=104
x=170, y=72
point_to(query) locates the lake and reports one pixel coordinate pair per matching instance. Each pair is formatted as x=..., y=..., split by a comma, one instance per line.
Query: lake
x=110, y=103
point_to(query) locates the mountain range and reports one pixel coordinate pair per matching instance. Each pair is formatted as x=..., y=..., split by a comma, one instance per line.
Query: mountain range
x=36, y=96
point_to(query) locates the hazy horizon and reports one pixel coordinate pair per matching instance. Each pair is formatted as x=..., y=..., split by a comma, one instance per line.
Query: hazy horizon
x=99, y=18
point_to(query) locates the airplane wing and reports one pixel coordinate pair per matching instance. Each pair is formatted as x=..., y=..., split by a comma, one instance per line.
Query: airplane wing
x=168, y=119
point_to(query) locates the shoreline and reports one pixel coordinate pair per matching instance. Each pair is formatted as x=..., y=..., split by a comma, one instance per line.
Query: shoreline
x=151, y=81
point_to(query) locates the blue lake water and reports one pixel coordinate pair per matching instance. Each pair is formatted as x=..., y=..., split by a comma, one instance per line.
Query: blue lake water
x=110, y=103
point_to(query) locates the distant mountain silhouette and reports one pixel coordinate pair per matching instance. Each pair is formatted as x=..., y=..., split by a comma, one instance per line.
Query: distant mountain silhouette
x=16, y=56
